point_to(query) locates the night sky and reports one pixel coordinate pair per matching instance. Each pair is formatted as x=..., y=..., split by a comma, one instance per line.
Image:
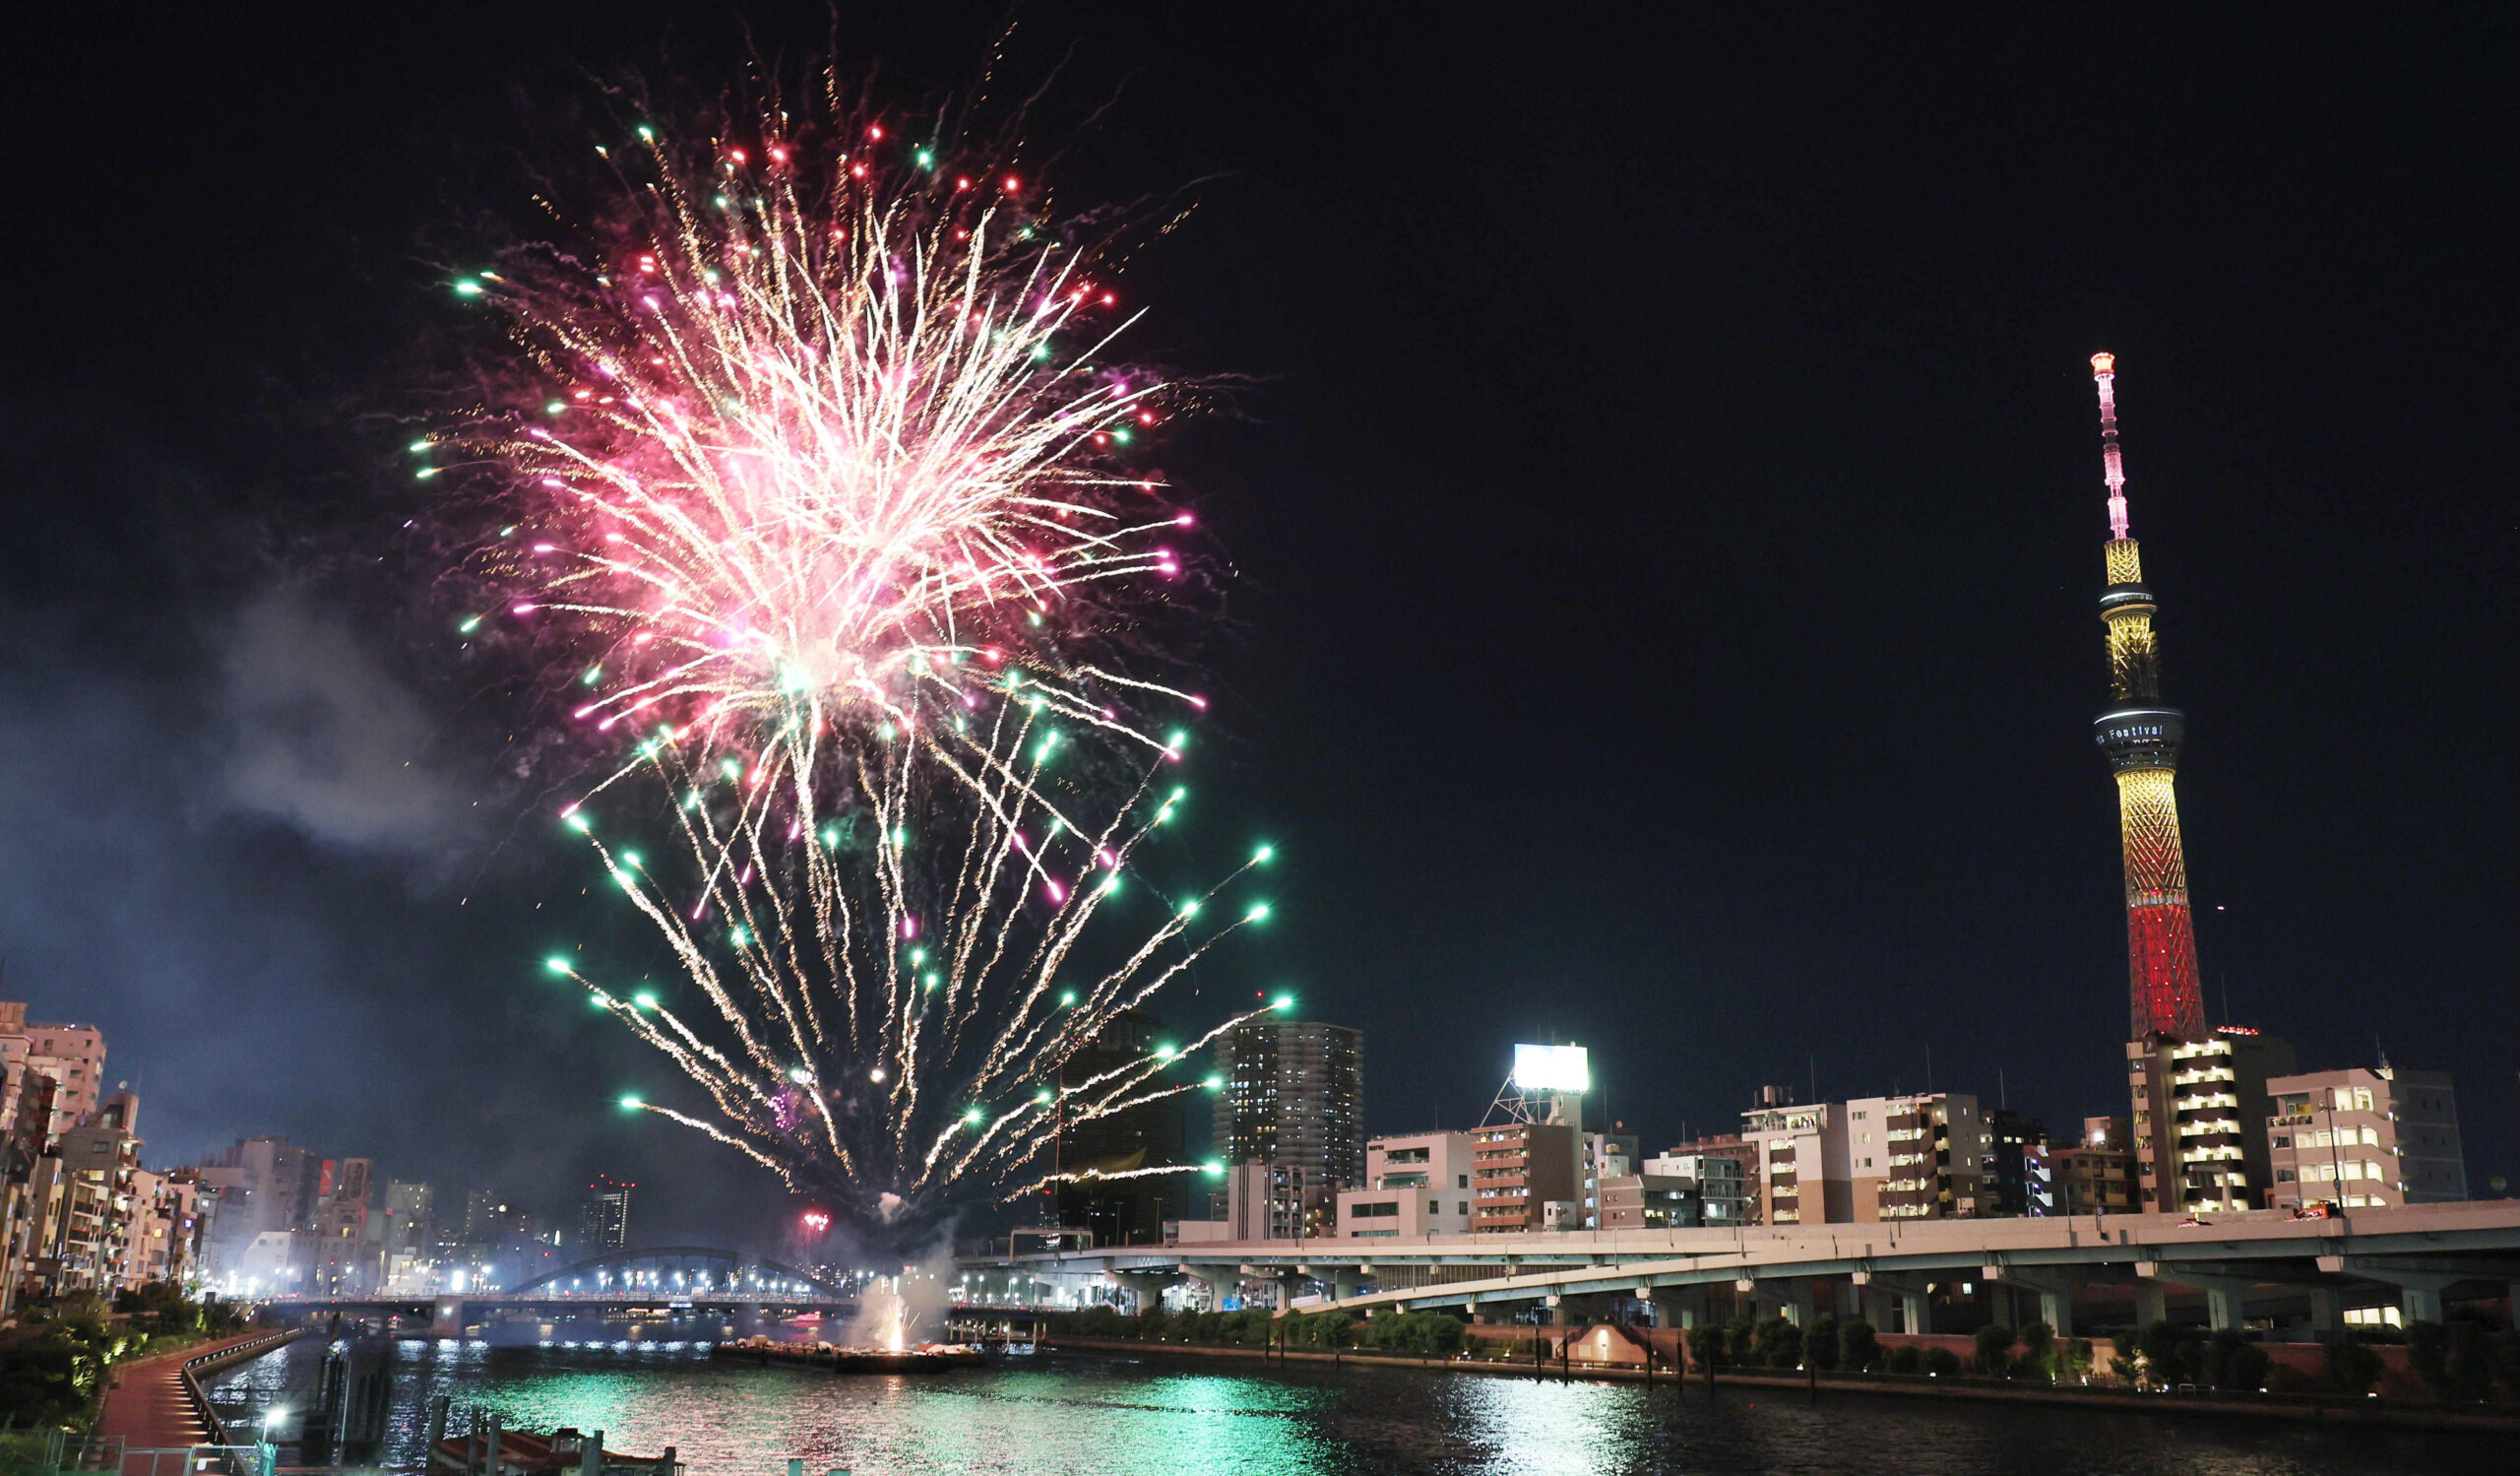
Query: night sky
x=1660, y=546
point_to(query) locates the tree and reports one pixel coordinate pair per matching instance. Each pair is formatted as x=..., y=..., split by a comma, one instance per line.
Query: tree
x=1906, y=1359
x=2038, y=1352
x=2352, y=1367
x=1706, y=1346
x=2233, y=1364
x=2471, y=1361
x=2507, y=1362
x=1942, y=1363
x=1426, y=1333
x=1995, y=1351
x=1820, y=1345
x=2078, y=1360
x=1776, y=1343
x=1740, y=1343
x=2172, y=1355
x=2428, y=1352
x=1858, y=1347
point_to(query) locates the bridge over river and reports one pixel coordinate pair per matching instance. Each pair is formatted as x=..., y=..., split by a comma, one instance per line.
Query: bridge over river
x=663, y=1279
x=2261, y=1266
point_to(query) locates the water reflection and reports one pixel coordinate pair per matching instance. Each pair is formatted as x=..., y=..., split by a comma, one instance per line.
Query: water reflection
x=1106, y=1415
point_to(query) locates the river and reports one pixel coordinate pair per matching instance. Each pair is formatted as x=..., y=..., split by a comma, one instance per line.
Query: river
x=1103, y=1414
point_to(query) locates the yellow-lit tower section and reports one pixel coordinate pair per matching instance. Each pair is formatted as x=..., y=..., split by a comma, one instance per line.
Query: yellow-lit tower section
x=2140, y=738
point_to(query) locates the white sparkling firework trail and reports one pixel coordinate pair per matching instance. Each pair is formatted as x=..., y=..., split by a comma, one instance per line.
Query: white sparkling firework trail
x=828, y=506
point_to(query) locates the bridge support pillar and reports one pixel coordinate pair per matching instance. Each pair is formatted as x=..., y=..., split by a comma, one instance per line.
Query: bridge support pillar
x=1210, y=1281
x=1881, y=1292
x=2055, y=1297
x=1797, y=1301
x=2420, y=1285
x=2152, y=1304
x=2325, y=1302
x=1659, y=1309
x=1553, y=1311
x=2225, y=1309
x=2057, y=1310
x=1145, y=1288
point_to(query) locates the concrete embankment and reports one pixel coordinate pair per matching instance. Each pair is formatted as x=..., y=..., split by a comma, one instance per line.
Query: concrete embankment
x=2302, y=1409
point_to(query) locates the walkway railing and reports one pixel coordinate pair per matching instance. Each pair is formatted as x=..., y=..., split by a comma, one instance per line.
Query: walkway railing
x=69, y=1454
x=190, y=1377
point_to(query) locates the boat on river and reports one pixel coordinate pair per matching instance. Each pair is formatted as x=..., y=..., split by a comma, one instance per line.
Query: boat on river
x=840, y=1358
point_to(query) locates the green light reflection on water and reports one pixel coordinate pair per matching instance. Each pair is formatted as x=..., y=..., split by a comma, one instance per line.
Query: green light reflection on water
x=1125, y=1415
x=1017, y=1421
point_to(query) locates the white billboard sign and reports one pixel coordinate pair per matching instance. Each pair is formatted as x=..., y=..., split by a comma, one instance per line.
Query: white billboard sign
x=1552, y=1069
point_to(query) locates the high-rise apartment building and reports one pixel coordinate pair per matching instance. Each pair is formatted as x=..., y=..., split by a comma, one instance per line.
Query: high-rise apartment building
x=342, y=1256
x=1922, y=1156
x=2011, y=1139
x=1717, y=1177
x=1519, y=1169
x=603, y=1217
x=1122, y=1211
x=2364, y=1139
x=1745, y=1178
x=2201, y=1108
x=408, y=1217
x=85, y=1190
x=1800, y=1163
x=1292, y=1096
x=261, y=1186
x=72, y=1055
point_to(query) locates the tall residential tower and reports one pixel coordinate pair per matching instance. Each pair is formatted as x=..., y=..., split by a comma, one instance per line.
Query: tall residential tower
x=2140, y=738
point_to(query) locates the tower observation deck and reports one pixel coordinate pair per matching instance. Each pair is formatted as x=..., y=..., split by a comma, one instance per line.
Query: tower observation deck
x=2140, y=737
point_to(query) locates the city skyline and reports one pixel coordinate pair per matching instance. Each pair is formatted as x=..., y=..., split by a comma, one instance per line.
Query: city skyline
x=1721, y=710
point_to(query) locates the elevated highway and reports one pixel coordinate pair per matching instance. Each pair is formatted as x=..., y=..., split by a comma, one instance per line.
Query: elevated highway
x=2414, y=1259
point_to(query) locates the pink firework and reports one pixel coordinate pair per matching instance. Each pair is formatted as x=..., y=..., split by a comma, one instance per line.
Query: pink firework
x=823, y=439
x=825, y=507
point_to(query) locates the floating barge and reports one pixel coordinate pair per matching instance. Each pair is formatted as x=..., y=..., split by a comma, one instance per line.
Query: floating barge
x=831, y=1358
x=493, y=1452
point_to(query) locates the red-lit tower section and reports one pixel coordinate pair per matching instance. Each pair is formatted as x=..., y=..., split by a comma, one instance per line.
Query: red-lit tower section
x=2140, y=738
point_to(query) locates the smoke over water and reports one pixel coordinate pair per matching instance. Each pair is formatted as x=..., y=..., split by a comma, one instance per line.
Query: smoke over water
x=904, y=1310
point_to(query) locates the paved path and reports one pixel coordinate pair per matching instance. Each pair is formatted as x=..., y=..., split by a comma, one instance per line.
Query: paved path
x=146, y=1405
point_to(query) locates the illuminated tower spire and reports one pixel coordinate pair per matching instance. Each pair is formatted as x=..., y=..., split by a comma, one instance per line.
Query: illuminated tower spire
x=2140, y=738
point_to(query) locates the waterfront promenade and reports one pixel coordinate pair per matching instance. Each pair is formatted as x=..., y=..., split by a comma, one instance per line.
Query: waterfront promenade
x=147, y=1406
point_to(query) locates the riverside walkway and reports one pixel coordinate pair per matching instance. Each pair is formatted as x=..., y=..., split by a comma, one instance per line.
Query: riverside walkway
x=147, y=1408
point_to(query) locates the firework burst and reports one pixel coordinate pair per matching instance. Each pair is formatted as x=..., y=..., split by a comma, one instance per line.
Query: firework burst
x=829, y=519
